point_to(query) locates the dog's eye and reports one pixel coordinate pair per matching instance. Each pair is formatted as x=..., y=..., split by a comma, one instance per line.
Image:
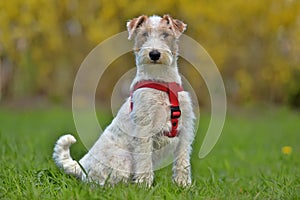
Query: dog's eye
x=145, y=34
x=165, y=34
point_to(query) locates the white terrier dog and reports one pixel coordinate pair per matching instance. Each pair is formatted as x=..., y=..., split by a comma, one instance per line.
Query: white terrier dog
x=157, y=114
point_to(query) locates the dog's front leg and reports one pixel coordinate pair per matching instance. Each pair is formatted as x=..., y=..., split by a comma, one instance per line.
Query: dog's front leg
x=142, y=117
x=142, y=154
x=182, y=166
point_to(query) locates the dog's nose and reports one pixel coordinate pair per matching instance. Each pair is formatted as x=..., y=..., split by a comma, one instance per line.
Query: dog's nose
x=154, y=55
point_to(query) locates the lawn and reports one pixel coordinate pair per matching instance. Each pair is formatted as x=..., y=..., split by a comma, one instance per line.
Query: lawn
x=246, y=163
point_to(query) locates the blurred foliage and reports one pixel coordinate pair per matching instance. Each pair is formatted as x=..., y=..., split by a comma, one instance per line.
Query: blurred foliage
x=255, y=44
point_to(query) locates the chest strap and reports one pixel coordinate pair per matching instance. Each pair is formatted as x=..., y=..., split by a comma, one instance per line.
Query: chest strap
x=172, y=89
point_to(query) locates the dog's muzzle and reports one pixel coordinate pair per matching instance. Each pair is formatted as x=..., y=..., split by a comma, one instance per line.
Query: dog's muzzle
x=147, y=55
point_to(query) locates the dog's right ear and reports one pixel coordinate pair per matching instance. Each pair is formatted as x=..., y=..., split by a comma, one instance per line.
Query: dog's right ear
x=133, y=24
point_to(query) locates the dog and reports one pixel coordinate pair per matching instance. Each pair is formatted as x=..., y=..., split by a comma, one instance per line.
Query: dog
x=158, y=113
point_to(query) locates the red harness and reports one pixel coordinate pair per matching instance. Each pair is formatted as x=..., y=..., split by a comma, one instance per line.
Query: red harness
x=172, y=89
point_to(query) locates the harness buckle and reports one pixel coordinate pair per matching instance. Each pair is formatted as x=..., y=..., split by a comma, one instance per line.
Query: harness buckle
x=175, y=112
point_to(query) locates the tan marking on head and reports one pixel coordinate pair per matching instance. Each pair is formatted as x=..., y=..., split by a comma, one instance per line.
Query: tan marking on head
x=177, y=26
x=156, y=33
x=135, y=23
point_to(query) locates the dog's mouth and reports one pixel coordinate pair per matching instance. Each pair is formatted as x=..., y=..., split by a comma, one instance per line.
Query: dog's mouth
x=155, y=62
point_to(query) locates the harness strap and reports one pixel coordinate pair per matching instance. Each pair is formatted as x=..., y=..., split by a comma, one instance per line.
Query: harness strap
x=172, y=89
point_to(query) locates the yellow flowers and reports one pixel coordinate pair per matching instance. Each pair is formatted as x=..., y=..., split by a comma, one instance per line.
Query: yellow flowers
x=286, y=150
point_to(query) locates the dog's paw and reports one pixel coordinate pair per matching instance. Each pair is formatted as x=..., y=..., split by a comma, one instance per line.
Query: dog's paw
x=144, y=179
x=182, y=180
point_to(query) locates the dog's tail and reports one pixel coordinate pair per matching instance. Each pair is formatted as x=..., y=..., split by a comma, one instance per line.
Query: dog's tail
x=63, y=159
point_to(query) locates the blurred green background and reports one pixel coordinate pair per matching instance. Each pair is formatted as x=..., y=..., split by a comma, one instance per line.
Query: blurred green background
x=255, y=45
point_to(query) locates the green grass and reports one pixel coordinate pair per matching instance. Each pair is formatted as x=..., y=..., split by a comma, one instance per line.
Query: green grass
x=246, y=163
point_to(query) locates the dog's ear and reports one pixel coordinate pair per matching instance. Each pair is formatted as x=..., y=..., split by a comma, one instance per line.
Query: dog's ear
x=177, y=26
x=133, y=24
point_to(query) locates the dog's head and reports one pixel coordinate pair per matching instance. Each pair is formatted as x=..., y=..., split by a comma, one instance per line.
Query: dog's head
x=155, y=38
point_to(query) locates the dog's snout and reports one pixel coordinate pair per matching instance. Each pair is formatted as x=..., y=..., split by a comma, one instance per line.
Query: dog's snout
x=154, y=55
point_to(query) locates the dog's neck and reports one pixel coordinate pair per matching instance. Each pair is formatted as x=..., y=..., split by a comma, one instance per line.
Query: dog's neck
x=157, y=72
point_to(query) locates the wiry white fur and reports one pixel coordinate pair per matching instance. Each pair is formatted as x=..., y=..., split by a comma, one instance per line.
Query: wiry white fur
x=154, y=21
x=129, y=146
x=62, y=157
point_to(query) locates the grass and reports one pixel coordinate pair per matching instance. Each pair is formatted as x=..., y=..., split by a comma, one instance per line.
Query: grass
x=246, y=163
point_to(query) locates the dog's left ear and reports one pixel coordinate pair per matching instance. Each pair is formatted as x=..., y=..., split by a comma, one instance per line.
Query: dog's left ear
x=133, y=24
x=177, y=26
